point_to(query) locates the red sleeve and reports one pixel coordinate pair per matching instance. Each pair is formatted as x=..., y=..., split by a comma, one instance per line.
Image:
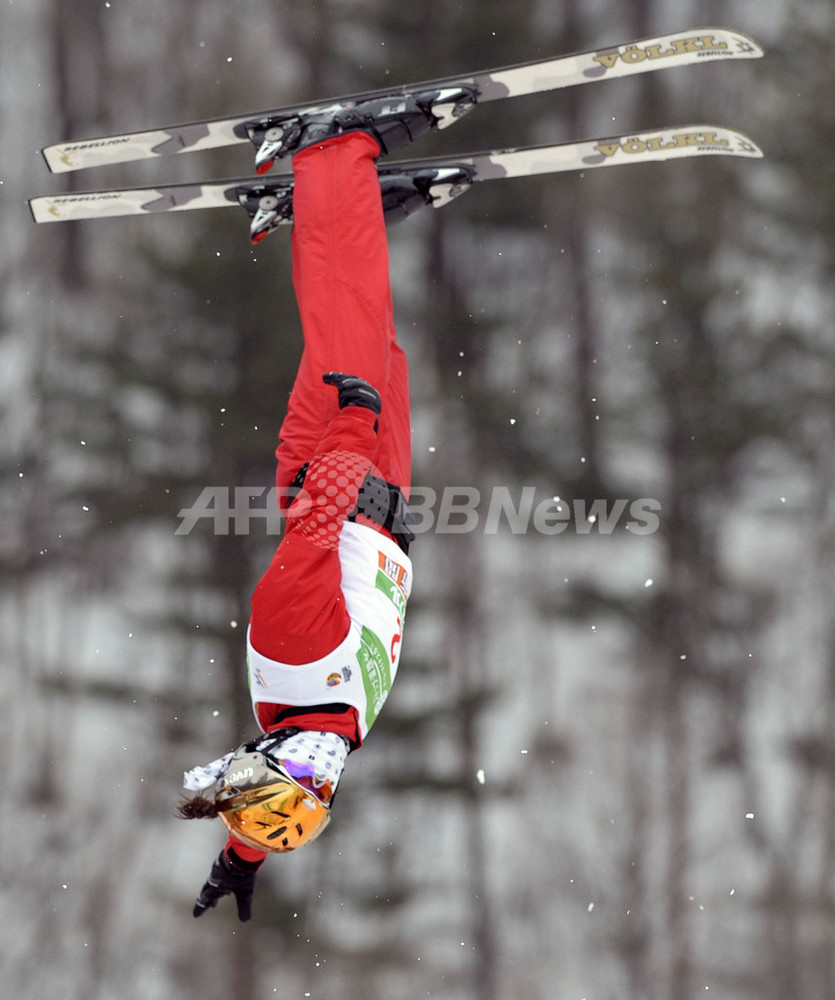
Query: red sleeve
x=249, y=855
x=298, y=611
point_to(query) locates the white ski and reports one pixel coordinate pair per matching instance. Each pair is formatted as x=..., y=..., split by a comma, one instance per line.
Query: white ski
x=455, y=96
x=406, y=185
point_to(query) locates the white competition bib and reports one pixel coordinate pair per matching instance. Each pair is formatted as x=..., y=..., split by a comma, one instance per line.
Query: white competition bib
x=376, y=583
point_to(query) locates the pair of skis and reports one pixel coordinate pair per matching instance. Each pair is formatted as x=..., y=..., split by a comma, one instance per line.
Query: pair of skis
x=406, y=185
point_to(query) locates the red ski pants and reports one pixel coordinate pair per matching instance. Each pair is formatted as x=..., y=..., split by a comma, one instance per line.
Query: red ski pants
x=341, y=277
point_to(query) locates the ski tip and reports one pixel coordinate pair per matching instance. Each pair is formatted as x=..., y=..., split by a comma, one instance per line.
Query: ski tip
x=734, y=143
x=693, y=140
x=57, y=159
x=39, y=207
x=48, y=154
x=753, y=149
x=740, y=45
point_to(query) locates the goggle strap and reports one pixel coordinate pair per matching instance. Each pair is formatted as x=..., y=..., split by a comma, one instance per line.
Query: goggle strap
x=269, y=741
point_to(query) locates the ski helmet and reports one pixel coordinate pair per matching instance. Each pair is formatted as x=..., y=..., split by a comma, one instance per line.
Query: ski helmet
x=271, y=803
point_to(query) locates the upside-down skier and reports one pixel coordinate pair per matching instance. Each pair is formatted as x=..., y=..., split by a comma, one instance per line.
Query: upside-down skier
x=324, y=638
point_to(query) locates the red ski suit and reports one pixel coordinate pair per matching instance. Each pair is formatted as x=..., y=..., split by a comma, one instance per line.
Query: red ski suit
x=341, y=277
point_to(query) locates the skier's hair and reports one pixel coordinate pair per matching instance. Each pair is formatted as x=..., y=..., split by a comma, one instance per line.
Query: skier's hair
x=198, y=807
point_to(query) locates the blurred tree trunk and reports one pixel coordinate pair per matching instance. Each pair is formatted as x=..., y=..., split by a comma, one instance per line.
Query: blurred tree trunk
x=79, y=68
x=574, y=236
x=463, y=612
x=467, y=660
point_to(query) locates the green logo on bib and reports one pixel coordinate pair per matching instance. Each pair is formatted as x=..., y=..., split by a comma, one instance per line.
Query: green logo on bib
x=376, y=674
x=392, y=592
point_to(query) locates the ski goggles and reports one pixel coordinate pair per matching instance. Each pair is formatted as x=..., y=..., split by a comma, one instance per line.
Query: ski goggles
x=269, y=804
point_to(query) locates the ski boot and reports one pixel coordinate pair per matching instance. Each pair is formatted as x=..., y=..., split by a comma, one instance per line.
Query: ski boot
x=268, y=207
x=403, y=190
x=394, y=121
x=407, y=191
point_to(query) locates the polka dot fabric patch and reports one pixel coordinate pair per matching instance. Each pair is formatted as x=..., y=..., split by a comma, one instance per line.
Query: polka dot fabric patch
x=330, y=490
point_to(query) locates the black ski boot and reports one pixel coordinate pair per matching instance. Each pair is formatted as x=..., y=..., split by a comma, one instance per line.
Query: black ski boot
x=404, y=190
x=405, y=193
x=268, y=207
x=393, y=121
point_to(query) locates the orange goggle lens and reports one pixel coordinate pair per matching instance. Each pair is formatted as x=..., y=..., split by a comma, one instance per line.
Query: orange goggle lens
x=280, y=816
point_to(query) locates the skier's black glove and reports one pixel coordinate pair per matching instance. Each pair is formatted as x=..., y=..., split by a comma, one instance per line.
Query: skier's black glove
x=227, y=878
x=354, y=391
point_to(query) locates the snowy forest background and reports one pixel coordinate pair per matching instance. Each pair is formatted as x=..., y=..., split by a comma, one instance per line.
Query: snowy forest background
x=607, y=770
